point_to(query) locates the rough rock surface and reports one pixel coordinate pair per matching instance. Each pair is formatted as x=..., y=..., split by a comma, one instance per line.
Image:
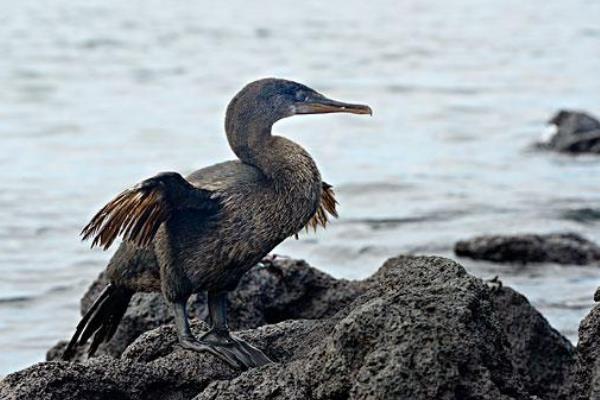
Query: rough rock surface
x=279, y=290
x=575, y=132
x=420, y=328
x=561, y=248
x=586, y=380
x=540, y=354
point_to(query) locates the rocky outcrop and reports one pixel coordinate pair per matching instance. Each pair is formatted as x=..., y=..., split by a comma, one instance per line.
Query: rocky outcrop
x=574, y=132
x=585, y=384
x=420, y=328
x=561, y=248
x=540, y=354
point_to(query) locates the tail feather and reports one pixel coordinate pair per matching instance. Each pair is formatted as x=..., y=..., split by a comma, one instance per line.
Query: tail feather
x=98, y=338
x=119, y=307
x=83, y=323
x=101, y=320
x=113, y=322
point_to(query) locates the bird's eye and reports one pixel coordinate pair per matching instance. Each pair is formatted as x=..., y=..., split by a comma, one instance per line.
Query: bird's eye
x=301, y=96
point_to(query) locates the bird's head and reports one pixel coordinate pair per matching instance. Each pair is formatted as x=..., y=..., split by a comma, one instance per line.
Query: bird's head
x=269, y=100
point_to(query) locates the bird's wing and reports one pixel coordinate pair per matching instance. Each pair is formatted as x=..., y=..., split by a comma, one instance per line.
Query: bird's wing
x=137, y=213
x=326, y=208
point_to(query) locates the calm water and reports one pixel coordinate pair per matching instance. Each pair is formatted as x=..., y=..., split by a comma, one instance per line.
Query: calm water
x=97, y=95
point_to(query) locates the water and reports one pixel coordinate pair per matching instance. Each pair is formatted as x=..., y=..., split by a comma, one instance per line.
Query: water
x=97, y=95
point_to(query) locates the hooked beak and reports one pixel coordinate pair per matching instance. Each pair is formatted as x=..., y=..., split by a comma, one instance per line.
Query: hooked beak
x=323, y=105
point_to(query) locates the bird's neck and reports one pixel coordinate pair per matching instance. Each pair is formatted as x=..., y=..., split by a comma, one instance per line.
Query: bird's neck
x=250, y=141
x=278, y=158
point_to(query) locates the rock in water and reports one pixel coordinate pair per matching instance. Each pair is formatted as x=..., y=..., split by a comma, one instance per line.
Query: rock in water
x=420, y=328
x=574, y=132
x=560, y=248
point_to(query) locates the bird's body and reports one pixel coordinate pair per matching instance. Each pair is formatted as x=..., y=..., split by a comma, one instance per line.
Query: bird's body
x=214, y=248
x=203, y=232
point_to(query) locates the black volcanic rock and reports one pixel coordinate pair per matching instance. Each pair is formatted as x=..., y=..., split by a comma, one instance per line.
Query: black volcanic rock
x=420, y=328
x=576, y=132
x=560, y=248
x=585, y=384
x=540, y=354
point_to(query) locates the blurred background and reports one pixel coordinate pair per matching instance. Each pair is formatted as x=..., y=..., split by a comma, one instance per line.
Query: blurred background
x=97, y=95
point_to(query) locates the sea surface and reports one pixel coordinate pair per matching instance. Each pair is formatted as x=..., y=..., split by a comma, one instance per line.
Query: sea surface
x=97, y=95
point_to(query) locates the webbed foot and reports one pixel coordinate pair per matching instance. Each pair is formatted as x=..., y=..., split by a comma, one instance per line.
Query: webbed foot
x=197, y=345
x=218, y=342
x=234, y=351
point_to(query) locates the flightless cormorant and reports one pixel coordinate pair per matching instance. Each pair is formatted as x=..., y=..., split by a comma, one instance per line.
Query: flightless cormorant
x=203, y=232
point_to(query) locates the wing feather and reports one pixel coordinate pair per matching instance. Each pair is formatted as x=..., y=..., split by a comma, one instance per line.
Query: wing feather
x=137, y=213
x=326, y=209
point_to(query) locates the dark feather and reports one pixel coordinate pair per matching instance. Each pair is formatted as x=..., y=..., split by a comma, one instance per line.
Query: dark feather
x=326, y=208
x=101, y=320
x=82, y=324
x=136, y=214
x=98, y=338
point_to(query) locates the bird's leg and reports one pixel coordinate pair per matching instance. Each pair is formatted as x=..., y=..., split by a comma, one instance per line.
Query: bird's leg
x=235, y=352
x=217, y=311
x=187, y=339
x=219, y=336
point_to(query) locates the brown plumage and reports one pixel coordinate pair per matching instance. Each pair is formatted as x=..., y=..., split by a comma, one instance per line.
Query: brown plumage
x=134, y=214
x=137, y=213
x=326, y=206
x=204, y=231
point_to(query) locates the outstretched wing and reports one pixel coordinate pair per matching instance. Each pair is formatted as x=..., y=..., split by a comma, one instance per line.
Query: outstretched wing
x=326, y=209
x=137, y=213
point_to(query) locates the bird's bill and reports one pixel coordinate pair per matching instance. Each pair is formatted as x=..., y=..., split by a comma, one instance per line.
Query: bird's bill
x=325, y=105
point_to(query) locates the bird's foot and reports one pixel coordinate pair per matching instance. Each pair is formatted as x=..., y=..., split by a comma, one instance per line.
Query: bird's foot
x=233, y=351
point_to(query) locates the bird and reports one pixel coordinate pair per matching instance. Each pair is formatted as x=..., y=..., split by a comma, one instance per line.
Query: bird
x=201, y=233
